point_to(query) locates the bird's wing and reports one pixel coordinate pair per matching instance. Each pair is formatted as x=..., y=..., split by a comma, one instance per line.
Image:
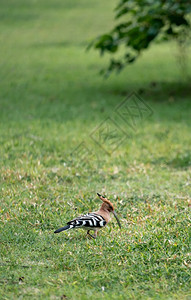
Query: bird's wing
x=92, y=220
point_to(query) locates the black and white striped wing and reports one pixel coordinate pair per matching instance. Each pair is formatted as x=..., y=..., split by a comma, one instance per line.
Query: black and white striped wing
x=89, y=221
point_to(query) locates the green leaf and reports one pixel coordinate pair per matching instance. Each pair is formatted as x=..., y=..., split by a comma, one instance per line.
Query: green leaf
x=146, y=20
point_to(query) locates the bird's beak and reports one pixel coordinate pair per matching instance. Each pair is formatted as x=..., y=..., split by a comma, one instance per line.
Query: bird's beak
x=118, y=222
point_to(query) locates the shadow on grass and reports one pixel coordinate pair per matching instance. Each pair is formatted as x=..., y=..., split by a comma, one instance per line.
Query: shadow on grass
x=82, y=236
x=160, y=91
x=181, y=161
x=16, y=17
x=59, y=44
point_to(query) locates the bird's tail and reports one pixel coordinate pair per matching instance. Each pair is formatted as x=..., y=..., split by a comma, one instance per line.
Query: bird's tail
x=63, y=228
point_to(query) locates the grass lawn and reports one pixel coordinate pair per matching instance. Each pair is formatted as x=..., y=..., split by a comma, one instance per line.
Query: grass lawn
x=53, y=107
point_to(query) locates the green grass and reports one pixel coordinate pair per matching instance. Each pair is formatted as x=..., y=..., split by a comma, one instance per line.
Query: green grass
x=52, y=98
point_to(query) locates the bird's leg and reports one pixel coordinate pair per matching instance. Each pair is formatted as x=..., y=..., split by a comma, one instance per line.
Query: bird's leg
x=93, y=236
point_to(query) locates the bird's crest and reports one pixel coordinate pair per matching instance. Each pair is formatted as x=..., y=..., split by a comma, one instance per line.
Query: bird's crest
x=104, y=199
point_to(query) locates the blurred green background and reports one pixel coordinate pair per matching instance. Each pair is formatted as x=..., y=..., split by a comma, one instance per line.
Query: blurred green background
x=51, y=100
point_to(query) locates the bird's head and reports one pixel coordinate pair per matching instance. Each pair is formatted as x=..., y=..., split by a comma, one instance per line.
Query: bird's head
x=108, y=206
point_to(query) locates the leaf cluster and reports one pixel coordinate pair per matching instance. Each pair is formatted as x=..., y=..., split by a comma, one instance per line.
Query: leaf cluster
x=142, y=22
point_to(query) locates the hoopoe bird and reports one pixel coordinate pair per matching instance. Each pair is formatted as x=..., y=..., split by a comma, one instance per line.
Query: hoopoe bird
x=94, y=220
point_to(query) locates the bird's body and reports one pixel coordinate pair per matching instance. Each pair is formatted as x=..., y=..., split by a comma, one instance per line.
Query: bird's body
x=90, y=221
x=94, y=220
